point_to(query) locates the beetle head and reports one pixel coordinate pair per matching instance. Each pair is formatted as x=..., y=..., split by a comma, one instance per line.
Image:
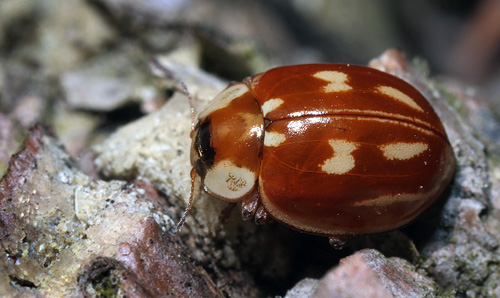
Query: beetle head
x=227, y=142
x=202, y=151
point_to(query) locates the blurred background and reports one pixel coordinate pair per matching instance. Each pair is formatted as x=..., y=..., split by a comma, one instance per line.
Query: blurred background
x=456, y=37
x=92, y=54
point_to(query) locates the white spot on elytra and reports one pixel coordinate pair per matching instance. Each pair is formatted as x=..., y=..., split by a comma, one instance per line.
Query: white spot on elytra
x=271, y=105
x=400, y=96
x=337, y=81
x=273, y=139
x=402, y=150
x=228, y=181
x=224, y=98
x=342, y=160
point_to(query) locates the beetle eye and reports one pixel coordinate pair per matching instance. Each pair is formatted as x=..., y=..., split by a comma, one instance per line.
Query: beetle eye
x=204, y=148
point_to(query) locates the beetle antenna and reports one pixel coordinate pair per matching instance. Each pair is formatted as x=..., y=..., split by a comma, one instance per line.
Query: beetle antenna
x=190, y=203
x=179, y=86
x=182, y=87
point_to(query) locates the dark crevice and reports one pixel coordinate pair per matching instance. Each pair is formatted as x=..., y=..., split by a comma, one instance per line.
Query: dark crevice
x=22, y=282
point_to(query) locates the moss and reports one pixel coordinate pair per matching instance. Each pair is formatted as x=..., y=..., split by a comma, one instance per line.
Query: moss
x=102, y=280
x=107, y=287
x=452, y=99
x=421, y=66
x=450, y=293
x=15, y=146
x=493, y=159
x=3, y=168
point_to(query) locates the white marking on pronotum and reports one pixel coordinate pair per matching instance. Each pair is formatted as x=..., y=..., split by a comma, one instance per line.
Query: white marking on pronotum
x=402, y=150
x=229, y=181
x=400, y=96
x=271, y=105
x=273, y=139
x=342, y=160
x=224, y=98
x=337, y=81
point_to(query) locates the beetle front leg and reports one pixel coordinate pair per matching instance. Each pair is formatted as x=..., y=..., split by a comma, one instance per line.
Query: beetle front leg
x=261, y=216
x=251, y=206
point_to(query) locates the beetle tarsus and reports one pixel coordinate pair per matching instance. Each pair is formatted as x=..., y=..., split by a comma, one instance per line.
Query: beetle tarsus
x=261, y=216
x=250, y=204
x=339, y=241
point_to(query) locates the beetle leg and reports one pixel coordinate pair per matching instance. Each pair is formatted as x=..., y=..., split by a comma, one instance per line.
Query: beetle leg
x=261, y=216
x=250, y=204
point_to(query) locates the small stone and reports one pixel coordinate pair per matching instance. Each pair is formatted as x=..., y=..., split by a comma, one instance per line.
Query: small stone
x=368, y=273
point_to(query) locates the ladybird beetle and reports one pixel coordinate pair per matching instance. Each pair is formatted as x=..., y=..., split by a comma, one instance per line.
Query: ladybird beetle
x=329, y=149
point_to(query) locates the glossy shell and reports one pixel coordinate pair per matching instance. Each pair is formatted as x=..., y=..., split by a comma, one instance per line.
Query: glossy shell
x=331, y=149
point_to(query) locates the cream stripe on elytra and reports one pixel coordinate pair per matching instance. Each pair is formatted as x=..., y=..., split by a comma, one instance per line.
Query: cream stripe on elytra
x=337, y=81
x=380, y=113
x=402, y=150
x=271, y=105
x=334, y=112
x=400, y=96
x=342, y=160
x=391, y=199
x=420, y=129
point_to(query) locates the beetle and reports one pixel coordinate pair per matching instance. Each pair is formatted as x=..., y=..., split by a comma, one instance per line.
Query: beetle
x=329, y=149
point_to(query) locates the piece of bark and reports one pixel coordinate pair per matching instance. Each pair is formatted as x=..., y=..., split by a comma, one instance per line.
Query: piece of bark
x=63, y=234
